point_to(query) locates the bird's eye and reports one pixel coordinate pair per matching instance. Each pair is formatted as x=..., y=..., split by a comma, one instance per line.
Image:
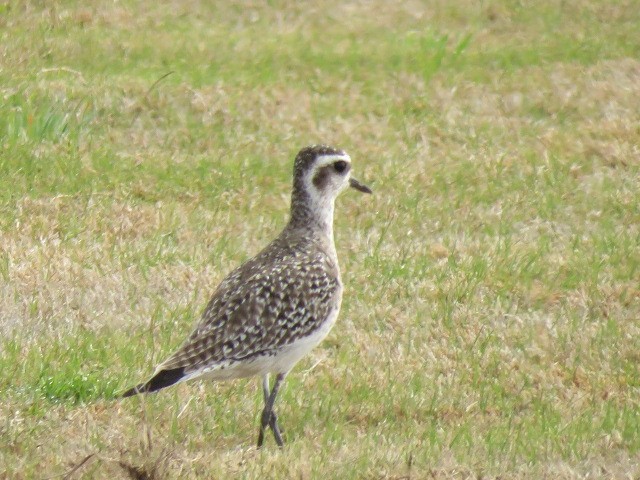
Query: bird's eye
x=340, y=166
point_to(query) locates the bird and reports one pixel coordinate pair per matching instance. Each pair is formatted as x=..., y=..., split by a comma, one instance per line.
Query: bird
x=272, y=310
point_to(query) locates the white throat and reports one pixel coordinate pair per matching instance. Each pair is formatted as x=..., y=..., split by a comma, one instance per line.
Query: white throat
x=321, y=208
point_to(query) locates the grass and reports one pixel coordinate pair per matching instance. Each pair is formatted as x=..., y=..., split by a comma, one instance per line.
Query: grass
x=489, y=327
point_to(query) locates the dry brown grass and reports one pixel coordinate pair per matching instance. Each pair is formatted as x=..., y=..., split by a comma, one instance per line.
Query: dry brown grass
x=490, y=323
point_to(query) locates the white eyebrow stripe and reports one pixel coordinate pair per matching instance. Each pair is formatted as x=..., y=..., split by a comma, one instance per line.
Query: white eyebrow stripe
x=324, y=160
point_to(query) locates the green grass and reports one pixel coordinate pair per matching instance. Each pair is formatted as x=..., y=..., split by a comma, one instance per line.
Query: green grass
x=489, y=326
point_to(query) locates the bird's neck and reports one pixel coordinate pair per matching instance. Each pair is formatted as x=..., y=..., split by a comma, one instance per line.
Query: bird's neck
x=314, y=214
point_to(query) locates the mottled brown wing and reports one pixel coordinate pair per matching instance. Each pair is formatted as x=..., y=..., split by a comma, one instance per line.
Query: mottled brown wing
x=255, y=311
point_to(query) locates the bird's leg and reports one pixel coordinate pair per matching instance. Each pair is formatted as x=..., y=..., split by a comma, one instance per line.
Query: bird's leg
x=266, y=394
x=265, y=387
x=273, y=423
x=269, y=417
x=273, y=418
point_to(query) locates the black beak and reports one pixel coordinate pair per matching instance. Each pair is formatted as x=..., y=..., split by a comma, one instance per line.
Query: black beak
x=353, y=183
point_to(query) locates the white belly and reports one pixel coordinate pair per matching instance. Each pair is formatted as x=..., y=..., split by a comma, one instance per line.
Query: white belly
x=291, y=354
x=283, y=361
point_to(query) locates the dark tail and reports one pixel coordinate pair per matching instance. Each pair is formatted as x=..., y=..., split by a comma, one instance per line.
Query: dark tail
x=162, y=379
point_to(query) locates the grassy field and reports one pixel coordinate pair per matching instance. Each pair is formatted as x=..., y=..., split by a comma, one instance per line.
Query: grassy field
x=491, y=320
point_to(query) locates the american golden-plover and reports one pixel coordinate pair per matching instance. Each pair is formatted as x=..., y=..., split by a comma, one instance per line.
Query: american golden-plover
x=272, y=310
